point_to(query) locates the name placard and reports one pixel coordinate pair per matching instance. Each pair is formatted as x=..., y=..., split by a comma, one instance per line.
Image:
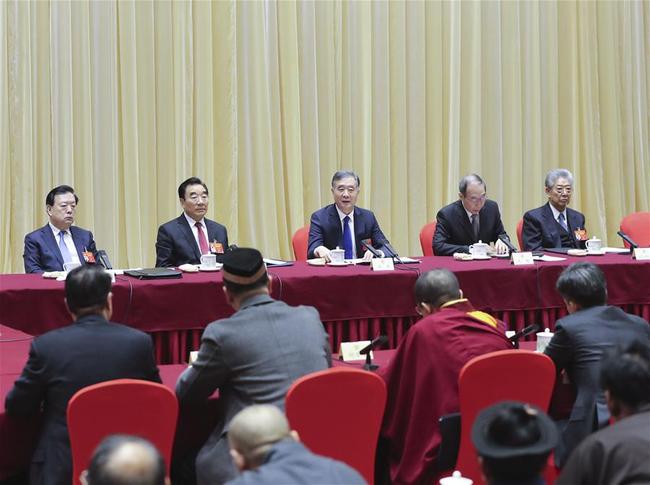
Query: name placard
x=519, y=259
x=350, y=350
x=642, y=254
x=382, y=264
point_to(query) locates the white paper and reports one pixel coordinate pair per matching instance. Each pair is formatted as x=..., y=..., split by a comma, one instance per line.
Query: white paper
x=546, y=257
x=616, y=250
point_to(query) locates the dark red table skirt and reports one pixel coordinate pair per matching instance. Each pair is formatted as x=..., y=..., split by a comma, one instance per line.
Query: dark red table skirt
x=354, y=302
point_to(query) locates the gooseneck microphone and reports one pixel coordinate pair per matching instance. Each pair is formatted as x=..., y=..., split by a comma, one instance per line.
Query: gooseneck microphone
x=393, y=253
x=627, y=239
x=379, y=341
x=366, y=244
x=506, y=240
x=524, y=332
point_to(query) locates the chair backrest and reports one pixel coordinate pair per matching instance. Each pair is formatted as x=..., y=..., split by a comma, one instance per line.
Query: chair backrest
x=513, y=375
x=637, y=226
x=520, y=230
x=299, y=243
x=121, y=406
x=426, y=238
x=338, y=413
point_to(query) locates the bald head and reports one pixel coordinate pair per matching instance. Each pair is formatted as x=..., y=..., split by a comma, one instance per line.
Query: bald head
x=254, y=430
x=436, y=287
x=126, y=460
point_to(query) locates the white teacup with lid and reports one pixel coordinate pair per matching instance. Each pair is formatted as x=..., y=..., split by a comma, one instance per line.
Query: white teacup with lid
x=455, y=479
x=543, y=338
x=479, y=249
x=594, y=245
x=337, y=255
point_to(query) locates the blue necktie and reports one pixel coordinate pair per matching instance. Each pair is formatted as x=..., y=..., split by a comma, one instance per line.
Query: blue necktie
x=562, y=221
x=347, y=238
x=65, y=254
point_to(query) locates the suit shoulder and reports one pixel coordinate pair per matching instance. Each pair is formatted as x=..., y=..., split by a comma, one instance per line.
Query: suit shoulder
x=323, y=211
x=35, y=234
x=210, y=222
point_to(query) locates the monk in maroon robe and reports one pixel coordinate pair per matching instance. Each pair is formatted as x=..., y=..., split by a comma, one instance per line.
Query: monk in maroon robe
x=422, y=377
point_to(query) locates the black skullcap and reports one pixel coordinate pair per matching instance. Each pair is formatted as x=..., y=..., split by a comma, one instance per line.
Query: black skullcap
x=243, y=266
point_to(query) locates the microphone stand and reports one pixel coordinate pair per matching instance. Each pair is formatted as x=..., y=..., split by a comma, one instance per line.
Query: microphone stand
x=369, y=365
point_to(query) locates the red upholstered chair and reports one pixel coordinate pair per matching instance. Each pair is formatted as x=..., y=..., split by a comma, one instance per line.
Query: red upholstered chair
x=123, y=406
x=520, y=230
x=299, y=243
x=505, y=375
x=426, y=238
x=637, y=226
x=337, y=413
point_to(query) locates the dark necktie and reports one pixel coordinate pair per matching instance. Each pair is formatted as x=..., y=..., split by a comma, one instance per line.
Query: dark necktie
x=347, y=238
x=562, y=221
x=203, y=242
x=65, y=254
x=475, y=226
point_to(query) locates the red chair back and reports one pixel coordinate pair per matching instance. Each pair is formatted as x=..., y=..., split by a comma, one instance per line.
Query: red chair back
x=426, y=238
x=122, y=406
x=637, y=226
x=505, y=375
x=337, y=413
x=299, y=243
x=520, y=230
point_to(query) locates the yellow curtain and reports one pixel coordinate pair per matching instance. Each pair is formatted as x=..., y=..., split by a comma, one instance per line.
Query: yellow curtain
x=265, y=100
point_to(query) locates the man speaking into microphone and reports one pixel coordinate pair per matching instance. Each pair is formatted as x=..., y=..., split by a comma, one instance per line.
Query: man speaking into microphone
x=344, y=225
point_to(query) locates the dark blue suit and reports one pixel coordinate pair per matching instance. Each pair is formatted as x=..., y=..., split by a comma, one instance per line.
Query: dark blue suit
x=541, y=230
x=42, y=251
x=454, y=233
x=325, y=230
x=176, y=245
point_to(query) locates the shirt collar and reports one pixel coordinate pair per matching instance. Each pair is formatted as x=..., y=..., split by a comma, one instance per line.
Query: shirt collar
x=342, y=215
x=56, y=230
x=453, y=302
x=556, y=213
x=192, y=222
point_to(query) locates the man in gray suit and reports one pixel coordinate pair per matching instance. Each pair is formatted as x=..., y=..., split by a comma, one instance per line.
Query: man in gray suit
x=252, y=357
x=578, y=344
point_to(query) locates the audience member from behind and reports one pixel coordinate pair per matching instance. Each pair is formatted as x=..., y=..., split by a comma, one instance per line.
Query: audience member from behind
x=513, y=441
x=618, y=454
x=422, y=377
x=58, y=241
x=251, y=357
x=67, y=359
x=267, y=452
x=125, y=460
x=578, y=344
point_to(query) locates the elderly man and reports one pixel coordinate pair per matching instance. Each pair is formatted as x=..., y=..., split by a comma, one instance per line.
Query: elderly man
x=472, y=218
x=125, y=460
x=618, y=454
x=267, y=452
x=252, y=357
x=578, y=344
x=422, y=377
x=58, y=242
x=67, y=359
x=554, y=225
x=191, y=235
x=343, y=225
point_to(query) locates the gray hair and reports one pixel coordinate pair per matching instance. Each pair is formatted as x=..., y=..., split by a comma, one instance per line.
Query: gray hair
x=472, y=178
x=556, y=173
x=342, y=174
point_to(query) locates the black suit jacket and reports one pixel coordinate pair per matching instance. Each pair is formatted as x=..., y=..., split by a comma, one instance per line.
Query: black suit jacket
x=42, y=253
x=541, y=230
x=325, y=230
x=454, y=233
x=60, y=363
x=578, y=344
x=175, y=244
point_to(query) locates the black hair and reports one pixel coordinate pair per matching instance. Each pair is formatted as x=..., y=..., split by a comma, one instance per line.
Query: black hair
x=584, y=284
x=436, y=287
x=60, y=190
x=190, y=181
x=625, y=373
x=86, y=289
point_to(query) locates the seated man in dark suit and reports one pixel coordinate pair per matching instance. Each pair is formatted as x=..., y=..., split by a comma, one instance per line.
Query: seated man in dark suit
x=58, y=242
x=342, y=224
x=472, y=218
x=65, y=360
x=579, y=342
x=554, y=225
x=267, y=452
x=191, y=235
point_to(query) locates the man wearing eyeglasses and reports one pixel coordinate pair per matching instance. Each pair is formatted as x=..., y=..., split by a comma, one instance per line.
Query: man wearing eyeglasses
x=554, y=225
x=191, y=235
x=472, y=218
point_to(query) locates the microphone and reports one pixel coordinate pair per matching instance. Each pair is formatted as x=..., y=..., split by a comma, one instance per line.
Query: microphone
x=366, y=244
x=506, y=240
x=628, y=240
x=524, y=332
x=393, y=253
x=378, y=341
x=232, y=246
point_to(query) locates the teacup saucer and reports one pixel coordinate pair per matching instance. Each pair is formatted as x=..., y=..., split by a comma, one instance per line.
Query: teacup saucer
x=205, y=268
x=480, y=258
x=332, y=263
x=602, y=252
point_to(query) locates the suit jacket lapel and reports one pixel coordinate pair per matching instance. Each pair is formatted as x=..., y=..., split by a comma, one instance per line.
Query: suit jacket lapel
x=186, y=230
x=336, y=223
x=76, y=239
x=466, y=224
x=359, y=229
x=48, y=238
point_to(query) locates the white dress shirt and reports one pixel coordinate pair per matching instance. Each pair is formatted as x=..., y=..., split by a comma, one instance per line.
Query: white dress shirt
x=69, y=243
x=195, y=230
x=351, y=216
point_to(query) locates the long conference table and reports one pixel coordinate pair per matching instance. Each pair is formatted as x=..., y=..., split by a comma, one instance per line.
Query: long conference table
x=355, y=303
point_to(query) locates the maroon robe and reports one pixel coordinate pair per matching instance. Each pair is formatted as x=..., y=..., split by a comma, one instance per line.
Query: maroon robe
x=422, y=382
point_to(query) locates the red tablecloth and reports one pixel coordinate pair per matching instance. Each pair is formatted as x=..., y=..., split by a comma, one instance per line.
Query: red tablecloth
x=354, y=302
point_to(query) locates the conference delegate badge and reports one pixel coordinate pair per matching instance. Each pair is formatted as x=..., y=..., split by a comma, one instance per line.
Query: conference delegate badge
x=88, y=257
x=520, y=259
x=382, y=264
x=581, y=234
x=641, y=254
x=216, y=247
